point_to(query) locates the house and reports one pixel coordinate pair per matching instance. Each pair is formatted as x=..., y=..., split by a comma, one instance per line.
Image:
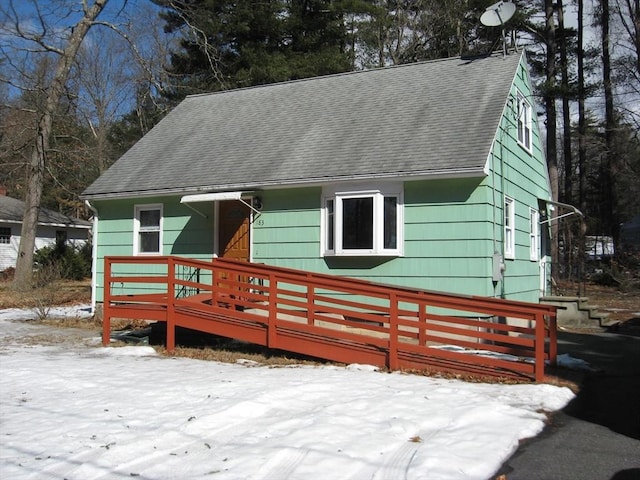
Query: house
x=429, y=175
x=53, y=227
x=598, y=247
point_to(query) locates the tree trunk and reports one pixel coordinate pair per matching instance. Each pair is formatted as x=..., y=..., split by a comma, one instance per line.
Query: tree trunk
x=550, y=107
x=582, y=123
x=610, y=213
x=566, y=111
x=36, y=167
x=582, y=145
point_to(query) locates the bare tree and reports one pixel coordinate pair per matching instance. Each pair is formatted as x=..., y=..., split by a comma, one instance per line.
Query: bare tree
x=35, y=40
x=415, y=30
x=103, y=89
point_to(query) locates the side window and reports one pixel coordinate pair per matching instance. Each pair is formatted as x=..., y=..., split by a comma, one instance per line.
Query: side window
x=5, y=235
x=147, y=235
x=534, y=234
x=524, y=122
x=363, y=222
x=509, y=228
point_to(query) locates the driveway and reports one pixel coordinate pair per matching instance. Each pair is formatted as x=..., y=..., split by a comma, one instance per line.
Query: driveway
x=597, y=436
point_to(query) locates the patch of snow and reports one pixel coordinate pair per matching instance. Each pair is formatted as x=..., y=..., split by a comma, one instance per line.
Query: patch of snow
x=567, y=361
x=92, y=413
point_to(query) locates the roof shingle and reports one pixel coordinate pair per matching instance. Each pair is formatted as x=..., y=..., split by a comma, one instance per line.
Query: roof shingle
x=12, y=210
x=436, y=117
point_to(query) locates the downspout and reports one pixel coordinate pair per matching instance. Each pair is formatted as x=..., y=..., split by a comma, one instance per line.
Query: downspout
x=504, y=220
x=94, y=257
x=498, y=264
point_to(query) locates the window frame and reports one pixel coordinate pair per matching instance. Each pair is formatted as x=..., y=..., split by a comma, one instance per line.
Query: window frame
x=137, y=229
x=524, y=119
x=5, y=235
x=509, y=239
x=332, y=231
x=534, y=234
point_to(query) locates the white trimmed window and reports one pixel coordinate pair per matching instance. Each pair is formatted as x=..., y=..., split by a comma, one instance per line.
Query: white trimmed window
x=147, y=230
x=363, y=221
x=534, y=234
x=524, y=122
x=509, y=228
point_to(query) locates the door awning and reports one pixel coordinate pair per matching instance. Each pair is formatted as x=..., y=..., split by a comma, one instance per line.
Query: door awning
x=572, y=210
x=216, y=197
x=211, y=197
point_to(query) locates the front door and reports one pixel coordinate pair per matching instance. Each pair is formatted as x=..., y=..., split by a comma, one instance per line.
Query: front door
x=233, y=230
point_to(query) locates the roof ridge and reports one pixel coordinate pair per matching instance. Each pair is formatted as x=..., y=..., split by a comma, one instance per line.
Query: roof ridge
x=349, y=73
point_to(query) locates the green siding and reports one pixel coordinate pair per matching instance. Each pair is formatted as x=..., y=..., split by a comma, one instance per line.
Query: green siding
x=521, y=175
x=451, y=226
x=447, y=238
x=185, y=233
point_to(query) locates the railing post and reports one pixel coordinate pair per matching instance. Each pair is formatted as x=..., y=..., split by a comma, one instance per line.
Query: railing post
x=311, y=300
x=106, y=304
x=272, y=332
x=422, y=324
x=171, y=305
x=215, y=294
x=393, y=331
x=539, y=347
x=553, y=340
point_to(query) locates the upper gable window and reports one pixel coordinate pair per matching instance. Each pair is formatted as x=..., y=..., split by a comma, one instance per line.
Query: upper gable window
x=524, y=122
x=365, y=221
x=147, y=230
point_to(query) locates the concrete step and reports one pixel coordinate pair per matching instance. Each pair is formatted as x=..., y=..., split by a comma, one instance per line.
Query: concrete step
x=576, y=311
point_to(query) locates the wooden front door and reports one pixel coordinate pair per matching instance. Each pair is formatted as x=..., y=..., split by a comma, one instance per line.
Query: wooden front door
x=233, y=230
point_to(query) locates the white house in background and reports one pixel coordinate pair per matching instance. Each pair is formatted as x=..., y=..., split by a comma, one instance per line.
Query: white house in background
x=53, y=227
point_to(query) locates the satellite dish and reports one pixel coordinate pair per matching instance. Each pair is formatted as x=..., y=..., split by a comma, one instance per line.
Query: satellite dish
x=497, y=14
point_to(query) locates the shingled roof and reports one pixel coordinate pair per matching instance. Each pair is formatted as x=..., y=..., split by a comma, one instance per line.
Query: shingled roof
x=12, y=211
x=430, y=118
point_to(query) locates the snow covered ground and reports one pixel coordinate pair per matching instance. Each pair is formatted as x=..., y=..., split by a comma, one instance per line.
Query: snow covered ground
x=72, y=409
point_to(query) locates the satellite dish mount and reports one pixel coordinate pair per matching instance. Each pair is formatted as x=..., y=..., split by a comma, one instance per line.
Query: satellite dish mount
x=497, y=15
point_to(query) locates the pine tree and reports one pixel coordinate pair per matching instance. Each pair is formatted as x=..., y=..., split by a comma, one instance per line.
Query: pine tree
x=232, y=44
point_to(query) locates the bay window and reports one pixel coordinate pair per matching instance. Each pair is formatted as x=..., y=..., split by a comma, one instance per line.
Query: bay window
x=365, y=221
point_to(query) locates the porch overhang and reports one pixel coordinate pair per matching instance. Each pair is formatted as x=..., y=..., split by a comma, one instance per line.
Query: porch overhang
x=211, y=197
x=552, y=204
x=216, y=197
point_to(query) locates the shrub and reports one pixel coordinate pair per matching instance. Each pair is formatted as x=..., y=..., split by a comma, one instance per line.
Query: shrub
x=72, y=263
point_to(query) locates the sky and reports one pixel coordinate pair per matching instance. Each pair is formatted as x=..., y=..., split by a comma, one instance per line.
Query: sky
x=109, y=69
x=61, y=14
x=70, y=408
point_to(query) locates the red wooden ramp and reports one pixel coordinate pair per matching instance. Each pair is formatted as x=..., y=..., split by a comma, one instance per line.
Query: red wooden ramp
x=332, y=317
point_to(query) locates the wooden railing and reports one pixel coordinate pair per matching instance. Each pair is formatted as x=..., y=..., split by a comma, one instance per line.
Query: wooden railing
x=332, y=317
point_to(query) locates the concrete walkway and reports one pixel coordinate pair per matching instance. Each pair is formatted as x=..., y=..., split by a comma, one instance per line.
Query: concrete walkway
x=597, y=436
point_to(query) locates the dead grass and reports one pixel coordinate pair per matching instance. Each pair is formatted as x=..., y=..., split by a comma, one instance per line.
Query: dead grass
x=59, y=293
x=245, y=357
